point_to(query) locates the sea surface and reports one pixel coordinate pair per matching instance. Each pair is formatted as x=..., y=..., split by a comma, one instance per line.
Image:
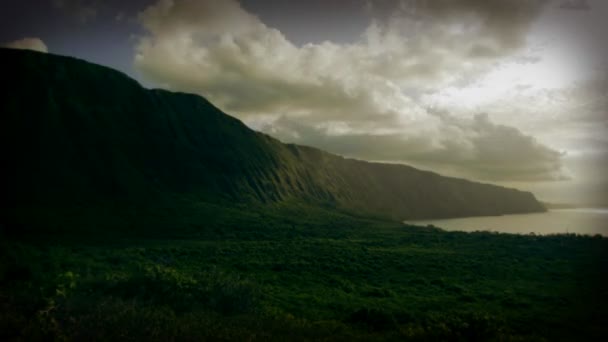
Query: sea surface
x=589, y=221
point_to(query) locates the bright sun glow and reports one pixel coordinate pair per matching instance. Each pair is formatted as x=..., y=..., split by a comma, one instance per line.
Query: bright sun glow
x=507, y=80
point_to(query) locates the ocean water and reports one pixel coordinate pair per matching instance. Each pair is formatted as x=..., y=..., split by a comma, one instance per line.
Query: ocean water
x=589, y=221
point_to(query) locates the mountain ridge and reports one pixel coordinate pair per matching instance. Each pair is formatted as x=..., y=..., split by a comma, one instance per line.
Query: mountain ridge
x=76, y=132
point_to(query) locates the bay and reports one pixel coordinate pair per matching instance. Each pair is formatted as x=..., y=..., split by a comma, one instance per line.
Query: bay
x=589, y=221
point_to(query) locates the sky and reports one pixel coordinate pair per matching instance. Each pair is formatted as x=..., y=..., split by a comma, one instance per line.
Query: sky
x=510, y=92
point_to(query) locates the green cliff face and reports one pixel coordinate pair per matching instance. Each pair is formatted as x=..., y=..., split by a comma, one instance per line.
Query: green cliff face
x=77, y=133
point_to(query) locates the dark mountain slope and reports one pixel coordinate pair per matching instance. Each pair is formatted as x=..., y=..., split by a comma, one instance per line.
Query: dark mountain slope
x=75, y=132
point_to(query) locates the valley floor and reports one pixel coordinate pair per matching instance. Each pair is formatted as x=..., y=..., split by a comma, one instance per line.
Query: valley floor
x=282, y=277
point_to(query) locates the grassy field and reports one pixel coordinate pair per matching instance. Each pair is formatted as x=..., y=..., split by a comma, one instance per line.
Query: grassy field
x=300, y=274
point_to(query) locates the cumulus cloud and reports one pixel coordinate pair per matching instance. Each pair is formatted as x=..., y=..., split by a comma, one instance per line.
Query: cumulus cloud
x=221, y=50
x=470, y=147
x=502, y=23
x=360, y=99
x=35, y=44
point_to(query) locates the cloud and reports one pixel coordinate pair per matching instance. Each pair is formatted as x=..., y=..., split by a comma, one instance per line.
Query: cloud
x=230, y=55
x=83, y=11
x=358, y=99
x=35, y=44
x=470, y=147
x=502, y=22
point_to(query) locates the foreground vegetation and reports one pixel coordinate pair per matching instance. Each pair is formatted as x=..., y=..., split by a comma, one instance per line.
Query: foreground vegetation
x=299, y=274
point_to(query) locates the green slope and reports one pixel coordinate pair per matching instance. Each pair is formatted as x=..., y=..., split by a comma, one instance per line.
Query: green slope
x=75, y=133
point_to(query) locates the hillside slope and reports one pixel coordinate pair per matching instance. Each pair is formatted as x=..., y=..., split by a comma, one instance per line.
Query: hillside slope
x=75, y=132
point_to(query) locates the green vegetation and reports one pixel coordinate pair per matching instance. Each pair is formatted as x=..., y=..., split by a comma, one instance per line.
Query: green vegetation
x=297, y=273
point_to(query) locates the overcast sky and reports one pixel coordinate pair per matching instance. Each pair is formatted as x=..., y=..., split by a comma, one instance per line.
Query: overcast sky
x=512, y=92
